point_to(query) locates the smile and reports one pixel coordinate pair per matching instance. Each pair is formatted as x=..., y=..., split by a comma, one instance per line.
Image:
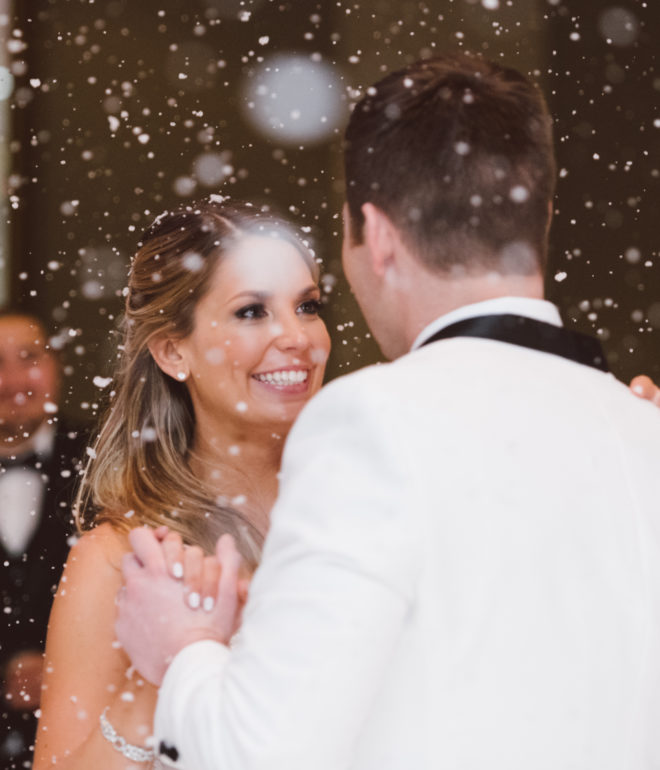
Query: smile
x=283, y=377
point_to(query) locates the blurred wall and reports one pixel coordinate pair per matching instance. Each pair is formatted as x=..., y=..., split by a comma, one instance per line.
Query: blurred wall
x=604, y=90
x=121, y=110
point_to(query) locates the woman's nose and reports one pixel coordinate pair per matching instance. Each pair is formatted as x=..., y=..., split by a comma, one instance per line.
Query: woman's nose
x=291, y=334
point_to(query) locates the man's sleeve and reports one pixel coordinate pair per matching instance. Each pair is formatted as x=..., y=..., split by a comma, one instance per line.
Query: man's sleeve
x=326, y=606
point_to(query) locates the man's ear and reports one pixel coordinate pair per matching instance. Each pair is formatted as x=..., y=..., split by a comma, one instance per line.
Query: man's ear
x=166, y=352
x=380, y=237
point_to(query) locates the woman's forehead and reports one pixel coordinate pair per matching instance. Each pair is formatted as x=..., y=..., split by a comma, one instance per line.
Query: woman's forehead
x=264, y=259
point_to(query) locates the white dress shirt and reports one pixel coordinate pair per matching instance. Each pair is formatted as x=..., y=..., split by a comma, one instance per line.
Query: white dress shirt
x=22, y=492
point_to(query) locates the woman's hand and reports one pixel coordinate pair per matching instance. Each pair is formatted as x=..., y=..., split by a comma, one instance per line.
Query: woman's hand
x=200, y=574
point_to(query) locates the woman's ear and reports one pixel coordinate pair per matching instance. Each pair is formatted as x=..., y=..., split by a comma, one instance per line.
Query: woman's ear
x=166, y=352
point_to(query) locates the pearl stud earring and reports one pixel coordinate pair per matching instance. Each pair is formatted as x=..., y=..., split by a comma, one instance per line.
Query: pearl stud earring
x=181, y=376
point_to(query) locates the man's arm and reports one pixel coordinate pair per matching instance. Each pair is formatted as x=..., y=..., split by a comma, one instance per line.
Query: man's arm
x=325, y=609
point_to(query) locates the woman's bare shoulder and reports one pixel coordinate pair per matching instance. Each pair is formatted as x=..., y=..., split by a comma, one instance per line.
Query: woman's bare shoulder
x=93, y=568
x=103, y=545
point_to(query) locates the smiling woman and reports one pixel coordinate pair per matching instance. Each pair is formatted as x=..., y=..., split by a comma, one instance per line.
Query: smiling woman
x=258, y=348
x=223, y=346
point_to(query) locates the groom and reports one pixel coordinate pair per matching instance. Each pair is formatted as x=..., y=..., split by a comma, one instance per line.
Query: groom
x=463, y=569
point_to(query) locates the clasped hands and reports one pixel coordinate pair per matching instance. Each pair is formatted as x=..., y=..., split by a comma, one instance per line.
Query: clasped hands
x=173, y=596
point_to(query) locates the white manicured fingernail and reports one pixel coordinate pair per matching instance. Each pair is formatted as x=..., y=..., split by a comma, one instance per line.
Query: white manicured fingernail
x=194, y=600
x=208, y=604
x=177, y=569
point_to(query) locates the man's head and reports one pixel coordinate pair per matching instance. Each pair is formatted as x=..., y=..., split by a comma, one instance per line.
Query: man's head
x=457, y=153
x=29, y=376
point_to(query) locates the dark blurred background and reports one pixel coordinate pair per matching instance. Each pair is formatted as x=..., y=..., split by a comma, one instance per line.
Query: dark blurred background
x=116, y=110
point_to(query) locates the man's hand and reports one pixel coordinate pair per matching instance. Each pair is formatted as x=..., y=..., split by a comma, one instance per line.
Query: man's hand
x=644, y=387
x=155, y=620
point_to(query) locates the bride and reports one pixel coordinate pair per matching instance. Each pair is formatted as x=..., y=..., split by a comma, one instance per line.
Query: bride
x=223, y=346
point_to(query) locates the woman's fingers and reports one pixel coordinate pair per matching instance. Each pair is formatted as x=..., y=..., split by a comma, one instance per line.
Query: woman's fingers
x=205, y=578
x=130, y=567
x=147, y=549
x=161, y=532
x=172, y=546
x=210, y=580
x=243, y=588
x=193, y=570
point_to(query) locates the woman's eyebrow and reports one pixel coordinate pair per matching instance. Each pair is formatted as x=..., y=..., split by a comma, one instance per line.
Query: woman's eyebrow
x=260, y=296
x=311, y=289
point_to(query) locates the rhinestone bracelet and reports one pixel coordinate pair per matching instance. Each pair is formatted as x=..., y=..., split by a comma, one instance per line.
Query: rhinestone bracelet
x=134, y=753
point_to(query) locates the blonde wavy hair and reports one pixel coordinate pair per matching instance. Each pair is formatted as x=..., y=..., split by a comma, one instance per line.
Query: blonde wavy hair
x=138, y=471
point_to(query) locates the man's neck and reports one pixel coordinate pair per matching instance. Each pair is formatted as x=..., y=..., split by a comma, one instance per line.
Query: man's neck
x=442, y=295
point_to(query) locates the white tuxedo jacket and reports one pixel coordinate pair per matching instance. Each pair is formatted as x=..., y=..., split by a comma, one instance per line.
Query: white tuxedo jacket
x=463, y=573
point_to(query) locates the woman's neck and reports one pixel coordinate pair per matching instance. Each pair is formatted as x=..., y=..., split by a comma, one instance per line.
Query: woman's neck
x=241, y=472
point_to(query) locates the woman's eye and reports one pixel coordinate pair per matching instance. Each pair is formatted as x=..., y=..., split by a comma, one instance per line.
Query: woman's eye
x=311, y=307
x=256, y=310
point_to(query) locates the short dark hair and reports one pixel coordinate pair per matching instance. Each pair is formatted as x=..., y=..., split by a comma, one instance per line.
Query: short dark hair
x=19, y=310
x=457, y=151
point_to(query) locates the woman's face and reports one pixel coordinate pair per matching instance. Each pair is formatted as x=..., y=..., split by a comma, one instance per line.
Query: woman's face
x=258, y=350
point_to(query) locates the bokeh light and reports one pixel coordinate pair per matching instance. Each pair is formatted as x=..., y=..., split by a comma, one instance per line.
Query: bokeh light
x=619, y=26
x=212, y=168
x=293, y=99
x=232, y=9
x=192, y=66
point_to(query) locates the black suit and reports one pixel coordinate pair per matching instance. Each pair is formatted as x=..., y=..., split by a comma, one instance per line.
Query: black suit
x=28, y=583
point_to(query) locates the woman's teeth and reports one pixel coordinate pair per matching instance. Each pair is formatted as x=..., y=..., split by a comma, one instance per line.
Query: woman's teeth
x=283, y=377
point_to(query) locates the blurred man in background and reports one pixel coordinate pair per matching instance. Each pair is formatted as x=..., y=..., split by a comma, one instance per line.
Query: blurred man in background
x=38, y=461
